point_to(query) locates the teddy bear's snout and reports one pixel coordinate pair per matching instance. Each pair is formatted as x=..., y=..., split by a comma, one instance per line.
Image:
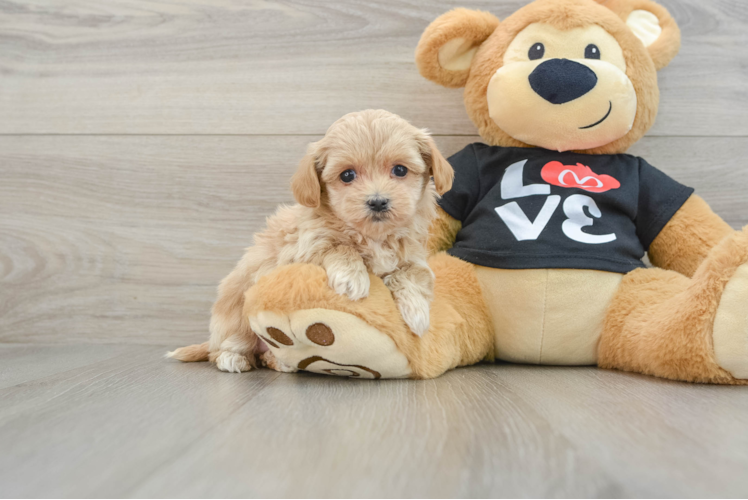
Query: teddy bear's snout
x=559, y=81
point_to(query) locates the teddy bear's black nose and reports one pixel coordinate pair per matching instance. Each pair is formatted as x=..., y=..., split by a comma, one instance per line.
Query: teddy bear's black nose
x=559, y=81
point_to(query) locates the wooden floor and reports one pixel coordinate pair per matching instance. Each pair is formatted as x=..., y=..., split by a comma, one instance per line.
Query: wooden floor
x=119, y=421
x=142, y=142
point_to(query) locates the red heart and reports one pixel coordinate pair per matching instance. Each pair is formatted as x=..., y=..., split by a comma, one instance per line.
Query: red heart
x=577, y=176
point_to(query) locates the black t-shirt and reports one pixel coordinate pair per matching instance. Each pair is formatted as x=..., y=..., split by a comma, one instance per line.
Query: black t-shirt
x=524, y=208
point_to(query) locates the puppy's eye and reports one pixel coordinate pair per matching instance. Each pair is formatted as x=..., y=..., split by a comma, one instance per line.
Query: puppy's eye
x=592, y=52
x=536, y=51
x=348, y=176
x=399, y=171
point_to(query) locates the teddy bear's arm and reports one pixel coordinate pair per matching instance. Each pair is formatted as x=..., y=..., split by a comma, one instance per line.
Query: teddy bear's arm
x=689, y=236
x=443, y=232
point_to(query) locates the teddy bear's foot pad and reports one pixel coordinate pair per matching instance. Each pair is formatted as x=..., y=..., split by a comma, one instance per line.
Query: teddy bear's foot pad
x=731, y=326
x=330, y=342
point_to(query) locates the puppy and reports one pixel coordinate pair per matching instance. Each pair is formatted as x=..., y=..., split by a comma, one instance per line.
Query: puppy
x=365, y=203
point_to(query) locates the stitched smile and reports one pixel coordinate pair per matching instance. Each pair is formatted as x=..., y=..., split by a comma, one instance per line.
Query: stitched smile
x=604, y=118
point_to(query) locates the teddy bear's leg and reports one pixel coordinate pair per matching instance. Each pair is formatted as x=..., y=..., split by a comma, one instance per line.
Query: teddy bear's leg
x=308, y=326
x=693, y=329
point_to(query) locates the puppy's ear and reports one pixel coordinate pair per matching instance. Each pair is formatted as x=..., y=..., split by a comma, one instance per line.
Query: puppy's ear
x=437, y=164
x=447, y=47
x=305, y=184
x=652, y=24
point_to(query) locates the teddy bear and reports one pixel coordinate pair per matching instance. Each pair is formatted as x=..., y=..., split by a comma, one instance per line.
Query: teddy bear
x=537, y=249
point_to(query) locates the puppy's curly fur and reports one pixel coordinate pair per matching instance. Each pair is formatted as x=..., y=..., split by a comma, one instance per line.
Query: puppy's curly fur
x=373, y=219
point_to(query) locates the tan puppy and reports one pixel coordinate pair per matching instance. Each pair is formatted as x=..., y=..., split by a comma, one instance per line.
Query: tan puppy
x=365, y=205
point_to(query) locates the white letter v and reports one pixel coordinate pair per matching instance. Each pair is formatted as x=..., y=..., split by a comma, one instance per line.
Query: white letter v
x=518, y=223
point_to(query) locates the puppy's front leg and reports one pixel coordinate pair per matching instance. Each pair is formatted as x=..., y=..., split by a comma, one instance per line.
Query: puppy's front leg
x=412, y=286
x=346, y=272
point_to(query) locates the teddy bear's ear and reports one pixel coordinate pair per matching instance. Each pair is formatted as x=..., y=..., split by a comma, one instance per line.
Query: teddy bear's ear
x=447, y=47
x=652, y=24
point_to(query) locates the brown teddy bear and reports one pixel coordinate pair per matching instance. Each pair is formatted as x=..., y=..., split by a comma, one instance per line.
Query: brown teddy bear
x=547, y=224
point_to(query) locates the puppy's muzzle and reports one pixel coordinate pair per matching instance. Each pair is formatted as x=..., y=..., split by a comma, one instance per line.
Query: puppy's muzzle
x=378, y=204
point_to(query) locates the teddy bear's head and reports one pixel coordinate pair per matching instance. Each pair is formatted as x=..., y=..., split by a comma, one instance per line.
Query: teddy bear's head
x=565, y=75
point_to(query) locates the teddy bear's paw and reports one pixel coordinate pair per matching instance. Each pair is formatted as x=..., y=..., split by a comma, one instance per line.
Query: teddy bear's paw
x=232, y=362
x=731, y=326
x=330, y=342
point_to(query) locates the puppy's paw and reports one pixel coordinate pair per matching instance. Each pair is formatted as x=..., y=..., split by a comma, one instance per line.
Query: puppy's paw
x=415, y=311
x=269, y=360
x=232, y=362
x=351, y=281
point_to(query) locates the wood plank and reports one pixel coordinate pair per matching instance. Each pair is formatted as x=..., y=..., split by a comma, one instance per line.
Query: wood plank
x=149, y=413
x=134, y=425
x=497, y=429
x=259, y=67
x=20, y=363
x=124, y=239
x=96, y=431
x=454, y=437
x=659, y=438
x=127, y=237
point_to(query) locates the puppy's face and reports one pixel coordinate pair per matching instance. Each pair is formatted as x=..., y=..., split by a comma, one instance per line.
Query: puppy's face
x=376, y=189
x=374, y=169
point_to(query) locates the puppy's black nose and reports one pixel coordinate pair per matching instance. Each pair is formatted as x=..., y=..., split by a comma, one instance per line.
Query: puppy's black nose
x=559, y=81
x=378, y=204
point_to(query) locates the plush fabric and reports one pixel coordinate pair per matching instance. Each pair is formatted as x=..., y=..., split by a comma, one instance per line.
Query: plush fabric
x=547, y=316
x=666, y=47
x=563, y=15
x=559, y=60
x=305, y=340
x=686, y=241
x=731, y=326
x=456, y=338
x=661, y=323
x=470, y=28
x=444, y=230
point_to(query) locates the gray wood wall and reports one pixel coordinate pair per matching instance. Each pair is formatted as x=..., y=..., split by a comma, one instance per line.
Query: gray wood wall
x=143, y=142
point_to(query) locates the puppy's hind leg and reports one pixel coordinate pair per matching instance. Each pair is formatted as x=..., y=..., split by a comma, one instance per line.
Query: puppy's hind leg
x=236, y=353
x=232, y=342
x=269, y=360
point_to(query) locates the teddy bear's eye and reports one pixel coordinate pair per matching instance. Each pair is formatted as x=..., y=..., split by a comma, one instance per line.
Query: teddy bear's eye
x=536, y=51
x=592, y=52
